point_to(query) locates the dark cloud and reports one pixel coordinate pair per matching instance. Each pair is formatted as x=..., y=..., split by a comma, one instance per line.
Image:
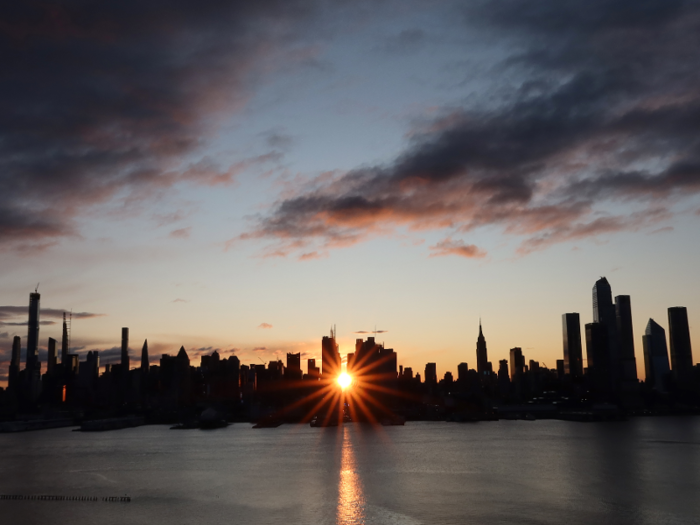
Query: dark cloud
x=15, y=311
x=404, y=42
x=606, y=109
x=111, y=98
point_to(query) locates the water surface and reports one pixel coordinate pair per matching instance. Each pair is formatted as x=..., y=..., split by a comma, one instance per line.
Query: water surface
x=643, y=471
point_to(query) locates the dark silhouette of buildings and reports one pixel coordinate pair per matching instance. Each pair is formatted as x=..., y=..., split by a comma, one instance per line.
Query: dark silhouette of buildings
x=51, y=360
x=430, y=374
x=144, y=357
x=517, y=362
x=573, y=353
x=293, y=370
x=598, y=355
x=482, y=359
x=64, y=341
x=13, y=376
x=604, y=314
x=330, y=356
x=681, y=352
x=656, y=363
x=627, y=361
x=125, y=349
x=32, y=365
x=174, y=388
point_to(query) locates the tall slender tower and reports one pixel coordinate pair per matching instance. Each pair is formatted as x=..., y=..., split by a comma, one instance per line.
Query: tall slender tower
x=64, y=344
x=681, y=352
x=330, y=356
x=51, y=362
x=482, y=357
x=144, y=357
x=604, y=314
x=125, y=350
x=33, y=366
x=625, y=334
x=573, y=352
x=13, y=376
x=655, y=356
x=33, y=332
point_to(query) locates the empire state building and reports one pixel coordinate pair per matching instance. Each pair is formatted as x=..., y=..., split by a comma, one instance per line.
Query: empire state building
x=482, y=358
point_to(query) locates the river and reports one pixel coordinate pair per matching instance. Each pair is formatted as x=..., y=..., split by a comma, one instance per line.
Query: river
x=642, y=471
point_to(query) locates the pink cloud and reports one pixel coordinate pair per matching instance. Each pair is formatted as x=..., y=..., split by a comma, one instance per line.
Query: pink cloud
x=265, y=326
x=458, y=247
x=181, y=233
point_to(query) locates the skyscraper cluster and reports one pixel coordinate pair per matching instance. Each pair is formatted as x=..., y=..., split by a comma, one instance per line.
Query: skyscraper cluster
x=611, y=365
x=606, y=372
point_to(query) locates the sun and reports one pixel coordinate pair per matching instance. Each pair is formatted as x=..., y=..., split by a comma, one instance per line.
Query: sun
x=344, y=380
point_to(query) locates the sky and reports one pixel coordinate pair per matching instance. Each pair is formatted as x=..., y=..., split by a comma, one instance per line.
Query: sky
x=241, y=176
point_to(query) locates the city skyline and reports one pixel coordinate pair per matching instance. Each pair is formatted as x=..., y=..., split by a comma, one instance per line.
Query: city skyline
x=576, y=346
x=243, y=176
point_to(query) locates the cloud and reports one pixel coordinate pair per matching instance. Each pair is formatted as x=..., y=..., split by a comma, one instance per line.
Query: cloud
x=4, y=335
x=278, y=139
x=312, y=255
x=404, y=42
x=665, y=229
x=10, y=312
x=116, y=99
x=181, y=233
x=264, y=326
x=260, y=349
x=605, y=110
x=178, y=300
x=458, y=247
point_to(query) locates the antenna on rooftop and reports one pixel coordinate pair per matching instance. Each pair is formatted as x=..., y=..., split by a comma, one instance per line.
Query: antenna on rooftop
x=36, y=290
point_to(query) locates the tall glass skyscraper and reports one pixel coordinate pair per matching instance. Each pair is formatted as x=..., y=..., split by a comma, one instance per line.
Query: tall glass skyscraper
x=573, y=353
x=681, y=352
x=625, y=341
x=655, y=356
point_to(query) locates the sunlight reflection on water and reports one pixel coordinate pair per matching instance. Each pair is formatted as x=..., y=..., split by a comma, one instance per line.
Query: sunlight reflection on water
x=351, y=500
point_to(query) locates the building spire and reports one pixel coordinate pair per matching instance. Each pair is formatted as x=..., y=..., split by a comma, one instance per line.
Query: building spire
x=144, y=356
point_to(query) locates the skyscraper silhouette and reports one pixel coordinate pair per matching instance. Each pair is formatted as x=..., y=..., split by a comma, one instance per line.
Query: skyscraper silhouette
x=681, y=352
x=598, y=357
x=482, y=358
x=430, y=374
x=33, y=366
x=144, y=357
x=625, y=342
x=33, y=331
x=64, y=343
x=573, y=353
x=330, y=357
x=125, y=350
x=604, y=313
x=13, y=376
x=517, y=363
x=51, y=360
x=655, y=356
